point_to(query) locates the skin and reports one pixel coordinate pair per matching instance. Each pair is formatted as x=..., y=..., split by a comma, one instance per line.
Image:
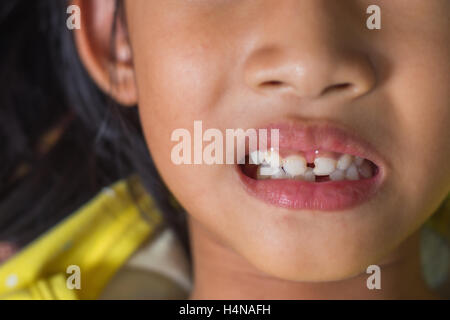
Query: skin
x=218, y=61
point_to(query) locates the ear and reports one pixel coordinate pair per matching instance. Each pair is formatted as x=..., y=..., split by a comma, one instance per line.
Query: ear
x=111, y=68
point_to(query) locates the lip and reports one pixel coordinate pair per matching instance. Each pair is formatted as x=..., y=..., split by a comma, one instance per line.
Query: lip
x=323, y=196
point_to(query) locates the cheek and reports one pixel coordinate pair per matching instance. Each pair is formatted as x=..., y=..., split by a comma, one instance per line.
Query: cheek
x=418, y=92
x=178, y=60
x=180, y=80
x=178, y=83
x=174, y=91
x=178, y=91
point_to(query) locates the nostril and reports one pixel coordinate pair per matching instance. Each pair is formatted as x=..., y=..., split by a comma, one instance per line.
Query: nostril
x=340, y=87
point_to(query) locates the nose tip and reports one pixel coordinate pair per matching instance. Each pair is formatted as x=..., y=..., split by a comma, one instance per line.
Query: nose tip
x=312, y=78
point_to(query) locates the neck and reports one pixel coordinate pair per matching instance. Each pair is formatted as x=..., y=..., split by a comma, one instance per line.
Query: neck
x=221, y=274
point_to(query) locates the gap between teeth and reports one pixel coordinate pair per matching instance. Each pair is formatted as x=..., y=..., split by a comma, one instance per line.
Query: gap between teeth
x=273, y=166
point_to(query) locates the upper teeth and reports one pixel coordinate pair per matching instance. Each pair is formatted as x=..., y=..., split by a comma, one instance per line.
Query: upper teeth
x=294, y=165
x=324, y=166
x=359, y=161
x=365, y=170
x=272, y=158
x=344, y=162
x=272, y=165
x=257, y=157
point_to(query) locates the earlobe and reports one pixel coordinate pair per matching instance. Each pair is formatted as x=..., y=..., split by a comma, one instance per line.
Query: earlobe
x=111, y=70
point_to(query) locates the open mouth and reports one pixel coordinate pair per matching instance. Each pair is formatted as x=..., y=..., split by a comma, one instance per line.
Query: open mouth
x=319, y=166
x=316, y=167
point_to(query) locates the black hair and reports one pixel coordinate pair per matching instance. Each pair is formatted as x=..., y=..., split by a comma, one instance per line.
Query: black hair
x=45, y=92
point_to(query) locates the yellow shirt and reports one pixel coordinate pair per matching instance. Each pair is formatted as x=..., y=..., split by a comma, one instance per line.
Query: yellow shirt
x=96, y=241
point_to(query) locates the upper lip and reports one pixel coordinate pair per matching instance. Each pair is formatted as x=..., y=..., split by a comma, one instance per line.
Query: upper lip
x=326, y=136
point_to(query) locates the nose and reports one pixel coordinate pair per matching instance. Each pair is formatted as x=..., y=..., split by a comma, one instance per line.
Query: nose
x=303, y=51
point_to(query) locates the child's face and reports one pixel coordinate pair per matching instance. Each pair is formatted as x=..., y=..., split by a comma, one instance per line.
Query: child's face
x=249, y=63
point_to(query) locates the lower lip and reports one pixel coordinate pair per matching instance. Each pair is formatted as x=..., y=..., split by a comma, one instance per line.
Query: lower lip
x=324, y=196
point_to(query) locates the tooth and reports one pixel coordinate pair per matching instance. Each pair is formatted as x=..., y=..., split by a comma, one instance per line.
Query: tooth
x=359, y=161
x=324, y=166
x=365, y=169
x=272, y=158
x=280, y=174
x=294, y=165
x=309, y=175
x=337, y=175
x=352, y=173
x=265, y=171
x=256, y=157
x=344, y=162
